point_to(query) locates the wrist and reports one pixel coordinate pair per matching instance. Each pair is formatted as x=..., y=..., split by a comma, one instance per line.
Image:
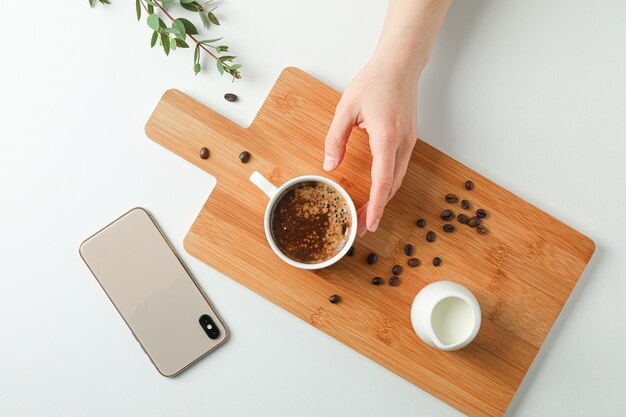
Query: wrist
x=408, y=64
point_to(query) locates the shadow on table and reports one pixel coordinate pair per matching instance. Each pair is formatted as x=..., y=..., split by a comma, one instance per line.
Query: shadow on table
x=457, y=31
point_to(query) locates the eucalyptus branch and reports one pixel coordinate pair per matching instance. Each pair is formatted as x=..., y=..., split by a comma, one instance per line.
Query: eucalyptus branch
x=175, y=35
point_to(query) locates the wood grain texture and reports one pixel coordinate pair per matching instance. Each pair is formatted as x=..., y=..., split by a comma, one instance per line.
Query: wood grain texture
x=522, y=272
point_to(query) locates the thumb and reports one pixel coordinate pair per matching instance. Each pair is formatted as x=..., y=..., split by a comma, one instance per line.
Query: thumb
x=337, y=137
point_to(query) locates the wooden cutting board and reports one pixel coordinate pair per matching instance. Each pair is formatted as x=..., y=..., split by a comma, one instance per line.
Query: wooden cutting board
x=522, y=271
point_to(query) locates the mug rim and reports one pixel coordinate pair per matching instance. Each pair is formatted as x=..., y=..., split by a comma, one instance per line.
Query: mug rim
x=272, y=201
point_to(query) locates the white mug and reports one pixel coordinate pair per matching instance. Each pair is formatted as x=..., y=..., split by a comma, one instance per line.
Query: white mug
x=446, y=315
x=274, y=193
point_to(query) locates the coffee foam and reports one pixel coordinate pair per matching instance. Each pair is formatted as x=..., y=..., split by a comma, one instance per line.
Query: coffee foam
x=311, y=222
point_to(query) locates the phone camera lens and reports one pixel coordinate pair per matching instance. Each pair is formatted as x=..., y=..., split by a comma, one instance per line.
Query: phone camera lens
x=209, y=326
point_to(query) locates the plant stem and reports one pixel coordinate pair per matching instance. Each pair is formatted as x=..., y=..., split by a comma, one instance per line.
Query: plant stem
x=191, y=36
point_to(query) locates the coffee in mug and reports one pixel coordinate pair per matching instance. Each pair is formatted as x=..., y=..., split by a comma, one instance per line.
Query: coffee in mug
x=310, y=222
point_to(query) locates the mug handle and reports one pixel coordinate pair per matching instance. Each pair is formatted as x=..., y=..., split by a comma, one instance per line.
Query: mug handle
x=260, y=181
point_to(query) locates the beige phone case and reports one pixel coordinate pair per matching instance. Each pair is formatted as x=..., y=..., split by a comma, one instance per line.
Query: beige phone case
x=163, y=306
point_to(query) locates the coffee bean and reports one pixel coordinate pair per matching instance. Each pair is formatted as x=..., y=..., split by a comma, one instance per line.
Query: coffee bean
x=204, y=153
x=430, y=236
x=462, y=218
x=409, y=250
x=466, y=205
x=377, y=281
x=372, y=258
x=451, y=198
x=244, y=157
x=413, y=262
x=446, y=215
x=396, y=270
x=473, y=222
x=421, y=223
x=230, y=97
x=469, y=185
x=481, y=213
x=351, y=251
x=437, y=261
x=481, y=229
x=448, y=228
x=394, y=281
x=334, y=299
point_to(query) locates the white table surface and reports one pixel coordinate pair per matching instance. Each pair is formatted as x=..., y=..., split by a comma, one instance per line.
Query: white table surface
x=531, y=94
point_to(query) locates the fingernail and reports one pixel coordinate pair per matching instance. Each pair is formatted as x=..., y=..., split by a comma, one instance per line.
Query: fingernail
x=374, y=226
x=362, y=232
x=329, y=162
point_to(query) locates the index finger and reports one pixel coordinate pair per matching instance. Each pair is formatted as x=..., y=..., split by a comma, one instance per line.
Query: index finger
x=383, y=164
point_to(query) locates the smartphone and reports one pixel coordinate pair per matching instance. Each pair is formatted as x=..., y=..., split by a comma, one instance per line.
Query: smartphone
x=153, y=291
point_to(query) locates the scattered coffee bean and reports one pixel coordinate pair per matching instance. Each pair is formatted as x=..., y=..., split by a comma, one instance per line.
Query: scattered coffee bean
x=481, y=213
x=377, y=281
x=446, y=215
x=413, y=262
x=466, y=205
x=469, y=185
x=473, y=222
x=204, y=153
x=244, y=157
x=334, y=299
x=430, y=236
x=437, y=261
x=351, y=251
x=462, y=218
x=394, y=281
x=448, y=228
x=372, y=258
x=230, y=97
x=481, y=229
x=421, y=223
x=396, y=270
x=409, y=250
x=451, y=198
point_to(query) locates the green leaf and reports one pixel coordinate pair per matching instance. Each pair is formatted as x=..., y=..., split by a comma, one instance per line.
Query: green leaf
x=197, y=68
x=220, y=67
x=205, y=20
x=138, y=9
x=150, y=8
x=226, y=58
x=181, y=43
x=235, y=67
x=196, y=53
x=180, y=26
x=155, y=37
x=207, y=41
x=153, y=21
x=187, y=1
x=165, y=41
x=190, y=28
x=192, y=6
x=173, y=44
x=92, y=3
x=213, y=19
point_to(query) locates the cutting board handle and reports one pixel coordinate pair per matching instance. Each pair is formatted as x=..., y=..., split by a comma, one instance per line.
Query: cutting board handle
x=204, y=128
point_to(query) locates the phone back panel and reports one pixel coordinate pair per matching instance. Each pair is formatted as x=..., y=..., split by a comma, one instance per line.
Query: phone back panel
x=152, y=290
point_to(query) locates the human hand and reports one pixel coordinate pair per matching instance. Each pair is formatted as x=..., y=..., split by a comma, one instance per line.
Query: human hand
x=384, y=103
